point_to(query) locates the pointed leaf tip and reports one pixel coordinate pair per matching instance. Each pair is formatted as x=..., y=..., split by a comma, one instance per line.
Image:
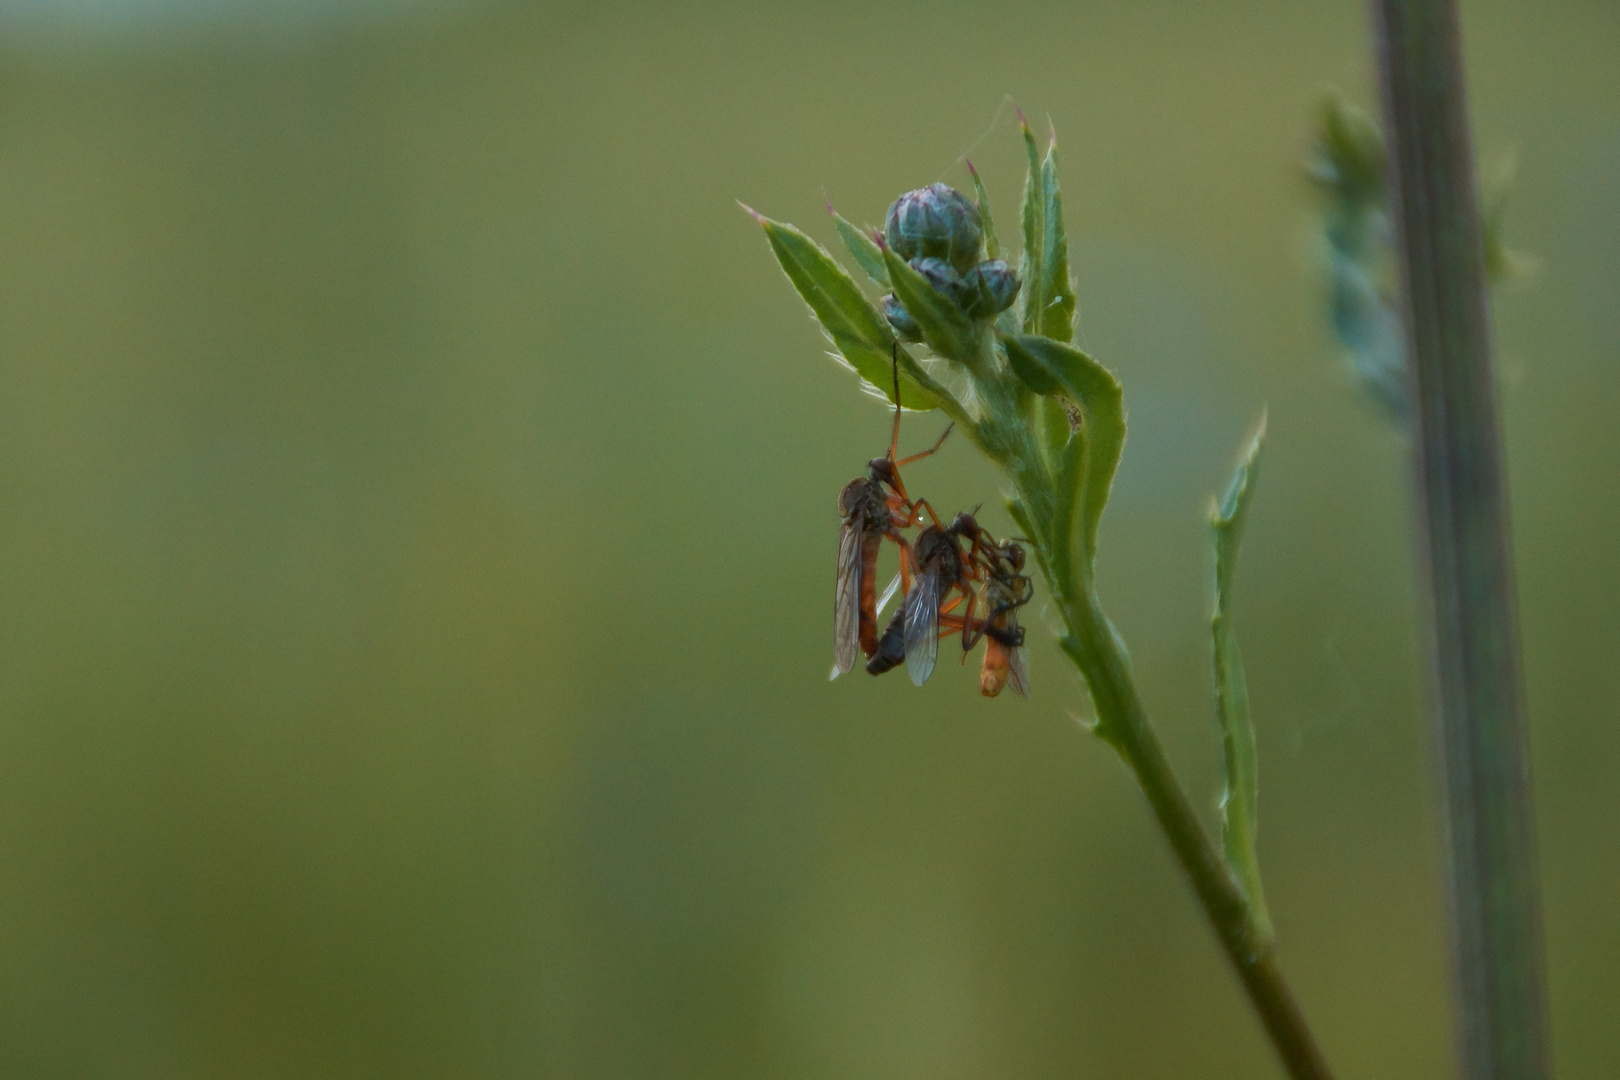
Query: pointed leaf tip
x=755, y=214
x=866, y=252
x=1239, y=800
x=971, y=170
x=857, y=329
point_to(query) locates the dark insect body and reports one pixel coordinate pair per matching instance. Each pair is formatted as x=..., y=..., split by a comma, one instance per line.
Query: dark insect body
x=913, y=633
x=942, y=568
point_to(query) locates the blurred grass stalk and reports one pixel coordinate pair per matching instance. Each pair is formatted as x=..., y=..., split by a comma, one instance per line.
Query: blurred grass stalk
x=1467, y=546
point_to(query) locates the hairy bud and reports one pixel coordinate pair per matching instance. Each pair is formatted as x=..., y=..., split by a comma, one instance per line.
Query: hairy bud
x=990, y=288
x=935, y=222
x=942, y=276
x=905, y=327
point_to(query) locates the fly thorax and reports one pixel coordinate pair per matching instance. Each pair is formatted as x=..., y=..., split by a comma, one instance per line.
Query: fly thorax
x=860, y=496
x=939, y=547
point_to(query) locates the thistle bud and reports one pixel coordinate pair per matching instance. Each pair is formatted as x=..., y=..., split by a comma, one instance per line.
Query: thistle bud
x=905, y=327
x=942, y=276
x=935, y=222
x=989, y=288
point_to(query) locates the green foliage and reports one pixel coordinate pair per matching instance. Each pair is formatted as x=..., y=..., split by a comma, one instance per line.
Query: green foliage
x=1049, y=298
x=868, y=256
x=992, y=246
x=856, y=328
x=1347, y=165
x=1083, y=471
x=1053, y=419
x=1348, y=155
x=945, y=326
x=1238, y=801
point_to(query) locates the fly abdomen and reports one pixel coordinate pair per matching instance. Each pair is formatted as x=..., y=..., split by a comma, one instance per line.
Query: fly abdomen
x=891, y=649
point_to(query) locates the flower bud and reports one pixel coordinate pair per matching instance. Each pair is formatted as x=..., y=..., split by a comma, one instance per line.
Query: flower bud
x=940, y=274
x=905, y=327
x=989, y=288
x=935, y=222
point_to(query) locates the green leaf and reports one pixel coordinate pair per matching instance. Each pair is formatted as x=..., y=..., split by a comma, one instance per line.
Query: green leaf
x=856, y=328
x=1502, y=264
x=1030, y=300
x=868, y=256
x=1348, y=154
x=1238, y=801
x=1032, y=368
x=1056, y=287
x=992, y=247
x=1048, y=294
x=948, y=331
x=1058, y=370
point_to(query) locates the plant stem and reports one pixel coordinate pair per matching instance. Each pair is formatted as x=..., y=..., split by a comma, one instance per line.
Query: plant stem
x=1122, y=721
x=1467, y=547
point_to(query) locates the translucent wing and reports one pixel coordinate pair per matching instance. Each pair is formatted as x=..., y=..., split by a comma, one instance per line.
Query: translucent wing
x=922, y=625
x=888, y=594
x=1018, y=670
x=847, y=600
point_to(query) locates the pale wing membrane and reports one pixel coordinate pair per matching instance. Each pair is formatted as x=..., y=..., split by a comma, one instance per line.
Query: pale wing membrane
x=847, y=601
x=922, y=626
x=1018, y=670
x=888, y=594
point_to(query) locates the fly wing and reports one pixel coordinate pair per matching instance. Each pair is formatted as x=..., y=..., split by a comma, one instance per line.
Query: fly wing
x=847, y=600
x=922, y=625
x=888, y=594
x=1018, y=670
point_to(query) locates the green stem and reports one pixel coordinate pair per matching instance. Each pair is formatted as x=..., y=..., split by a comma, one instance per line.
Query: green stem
x=1122, y=722
x=1007, y=434
x=1473, y=628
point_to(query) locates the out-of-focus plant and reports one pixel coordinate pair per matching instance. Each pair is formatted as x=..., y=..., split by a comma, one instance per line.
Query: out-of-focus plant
x=1348, y=165
x=1426, y=356
x=999, y=360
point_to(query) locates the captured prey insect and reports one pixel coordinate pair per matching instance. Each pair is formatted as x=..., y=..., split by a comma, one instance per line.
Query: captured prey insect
x=1006, y=590
x=873, y=507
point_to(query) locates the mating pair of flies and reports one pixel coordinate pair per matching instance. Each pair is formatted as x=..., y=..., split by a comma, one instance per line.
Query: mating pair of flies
x=945, y=568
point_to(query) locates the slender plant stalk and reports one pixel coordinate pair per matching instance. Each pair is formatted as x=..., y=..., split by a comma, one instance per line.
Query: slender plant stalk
x=1467, y=548
x=1096, y=650
x=1053, y=419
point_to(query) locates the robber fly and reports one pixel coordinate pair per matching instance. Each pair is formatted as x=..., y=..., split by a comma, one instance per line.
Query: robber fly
x=942, y=568
x=874, y=507
x=1007, y=588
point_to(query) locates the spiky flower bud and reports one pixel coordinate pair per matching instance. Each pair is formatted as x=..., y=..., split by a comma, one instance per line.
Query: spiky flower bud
x=935, y=222
x=905, y=327
x=990, y=288
x=942, y=276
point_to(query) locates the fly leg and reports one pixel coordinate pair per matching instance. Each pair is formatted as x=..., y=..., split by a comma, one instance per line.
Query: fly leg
x=915, y=518
x=932, y=449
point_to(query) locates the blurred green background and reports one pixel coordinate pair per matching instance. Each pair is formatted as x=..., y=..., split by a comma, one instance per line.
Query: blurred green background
x=417, y=531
